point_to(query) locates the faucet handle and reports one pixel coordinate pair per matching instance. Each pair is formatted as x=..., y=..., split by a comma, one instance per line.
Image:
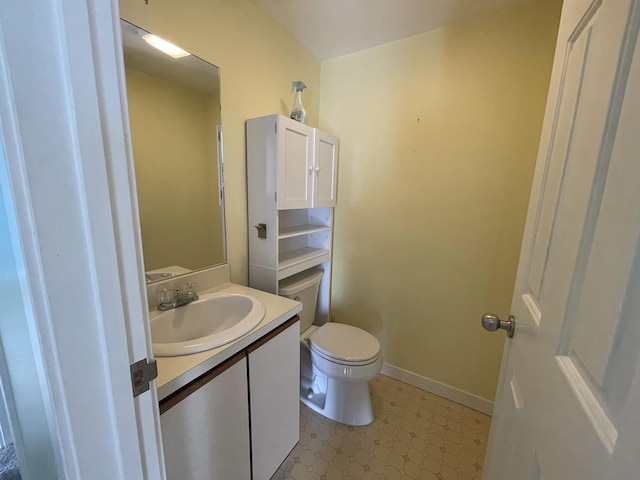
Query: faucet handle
x=168, y=295
x=190, y=287
x=189, y=290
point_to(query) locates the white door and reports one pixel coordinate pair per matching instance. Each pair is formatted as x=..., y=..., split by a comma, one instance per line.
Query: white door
x=295, y=164
x=325, y=170
x=75, y=243
x=568, y=402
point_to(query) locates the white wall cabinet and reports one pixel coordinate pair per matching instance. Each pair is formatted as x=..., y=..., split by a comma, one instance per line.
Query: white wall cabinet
x=294, y=152
x=241, y=419
x=303, y=159
x=291, y=183
x=325, y=167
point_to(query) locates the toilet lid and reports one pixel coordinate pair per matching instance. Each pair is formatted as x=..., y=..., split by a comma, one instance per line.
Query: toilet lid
x=344, y=343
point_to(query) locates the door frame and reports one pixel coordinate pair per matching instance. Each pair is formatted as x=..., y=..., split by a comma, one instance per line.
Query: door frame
x=64, y=128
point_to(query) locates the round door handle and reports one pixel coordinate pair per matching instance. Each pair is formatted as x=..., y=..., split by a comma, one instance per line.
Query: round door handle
x=491, y=322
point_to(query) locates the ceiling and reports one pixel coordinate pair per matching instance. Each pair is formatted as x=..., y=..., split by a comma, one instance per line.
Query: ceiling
x=332, y=28
x=190, y=71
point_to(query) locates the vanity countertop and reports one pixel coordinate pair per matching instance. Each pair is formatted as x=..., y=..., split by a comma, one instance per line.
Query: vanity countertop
x=176, y=372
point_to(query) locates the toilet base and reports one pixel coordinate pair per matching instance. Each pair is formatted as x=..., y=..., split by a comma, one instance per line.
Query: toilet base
x=345, y=402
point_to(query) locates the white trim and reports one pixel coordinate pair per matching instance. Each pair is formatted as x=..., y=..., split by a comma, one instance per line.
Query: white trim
x=111, y=86
x=604, y=427
x=533, y=308
x=442, y=390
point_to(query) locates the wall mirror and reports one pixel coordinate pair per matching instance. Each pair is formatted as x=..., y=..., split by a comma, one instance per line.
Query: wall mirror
x=174, y=113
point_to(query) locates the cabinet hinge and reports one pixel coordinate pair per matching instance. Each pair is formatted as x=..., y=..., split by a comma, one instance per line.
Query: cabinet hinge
x=275, y=127
x=275, y=195
x=142, y=373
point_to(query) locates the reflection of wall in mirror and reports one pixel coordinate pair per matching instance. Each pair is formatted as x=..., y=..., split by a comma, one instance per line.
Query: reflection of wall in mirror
x=175, y=151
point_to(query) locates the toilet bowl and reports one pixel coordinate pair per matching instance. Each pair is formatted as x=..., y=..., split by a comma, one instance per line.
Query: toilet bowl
x=336, y=360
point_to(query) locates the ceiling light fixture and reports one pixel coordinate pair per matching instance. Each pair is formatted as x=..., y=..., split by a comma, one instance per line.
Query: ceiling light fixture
x=164, y=46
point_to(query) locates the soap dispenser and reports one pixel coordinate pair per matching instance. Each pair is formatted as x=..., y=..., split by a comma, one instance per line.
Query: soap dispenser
x=298, y=113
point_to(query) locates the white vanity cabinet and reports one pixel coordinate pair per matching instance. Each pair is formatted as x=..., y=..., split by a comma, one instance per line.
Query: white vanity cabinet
x=291, y=184
x=241, y=419
x=274, y=377
x=205, y=425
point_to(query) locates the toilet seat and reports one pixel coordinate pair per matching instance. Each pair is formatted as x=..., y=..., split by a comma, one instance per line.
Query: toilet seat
x=345, y=344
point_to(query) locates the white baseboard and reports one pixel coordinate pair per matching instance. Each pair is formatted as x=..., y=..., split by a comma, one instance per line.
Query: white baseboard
x=451, y=393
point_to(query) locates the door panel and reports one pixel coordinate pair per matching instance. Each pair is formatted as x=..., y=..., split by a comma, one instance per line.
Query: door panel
x=569, y=379
x=274, y=379
x=206, y=435
x=560, y=145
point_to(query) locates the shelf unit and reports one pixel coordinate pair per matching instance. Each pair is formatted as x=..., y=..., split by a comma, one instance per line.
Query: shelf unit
x=304, y=239
x=298, y=230
x=290, y=164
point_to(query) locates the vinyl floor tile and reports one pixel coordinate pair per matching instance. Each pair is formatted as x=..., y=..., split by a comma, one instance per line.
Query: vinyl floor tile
x=415, y=435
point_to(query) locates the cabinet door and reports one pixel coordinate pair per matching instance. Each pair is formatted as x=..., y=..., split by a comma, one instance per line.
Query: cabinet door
x=205, y=426
x=295, y=164
x=274, y=383
x=325, y=170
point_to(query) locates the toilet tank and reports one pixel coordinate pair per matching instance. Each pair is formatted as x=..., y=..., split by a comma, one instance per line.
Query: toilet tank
x=303, y=287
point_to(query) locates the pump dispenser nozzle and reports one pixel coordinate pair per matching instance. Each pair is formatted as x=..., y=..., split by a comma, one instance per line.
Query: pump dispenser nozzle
x=298, y=113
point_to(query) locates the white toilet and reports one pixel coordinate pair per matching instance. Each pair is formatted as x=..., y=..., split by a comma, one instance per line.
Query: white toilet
x=337, y=360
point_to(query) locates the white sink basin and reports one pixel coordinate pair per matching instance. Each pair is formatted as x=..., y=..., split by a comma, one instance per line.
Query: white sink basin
x=212, y=320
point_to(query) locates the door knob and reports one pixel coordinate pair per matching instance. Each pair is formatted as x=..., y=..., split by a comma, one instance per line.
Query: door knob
x=491, y=322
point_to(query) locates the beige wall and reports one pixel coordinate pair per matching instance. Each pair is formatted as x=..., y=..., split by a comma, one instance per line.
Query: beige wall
x=258, y=62
x=439, y=135
x=438, y=139
x=173, y=139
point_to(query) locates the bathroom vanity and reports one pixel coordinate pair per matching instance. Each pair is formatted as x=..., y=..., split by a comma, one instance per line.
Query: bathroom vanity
x=233, y=411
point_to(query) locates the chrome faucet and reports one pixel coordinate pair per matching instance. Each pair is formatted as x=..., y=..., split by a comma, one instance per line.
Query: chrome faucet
x=169, y=298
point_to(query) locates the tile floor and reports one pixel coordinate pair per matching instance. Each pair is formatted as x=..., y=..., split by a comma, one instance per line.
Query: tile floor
x=415, y=435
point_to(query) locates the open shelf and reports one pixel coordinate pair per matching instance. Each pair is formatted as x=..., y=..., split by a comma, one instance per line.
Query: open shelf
x=299, y=230
x=295, y=261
